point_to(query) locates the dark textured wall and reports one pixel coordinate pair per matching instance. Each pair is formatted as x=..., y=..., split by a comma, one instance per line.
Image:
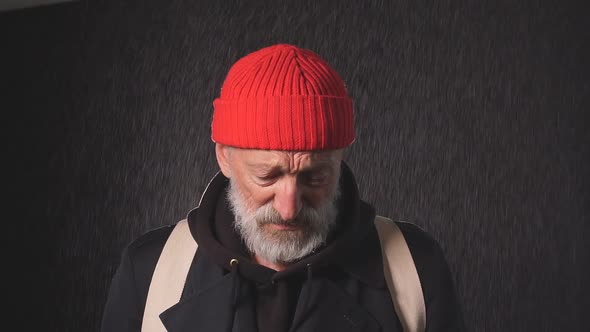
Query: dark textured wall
x=470, y=123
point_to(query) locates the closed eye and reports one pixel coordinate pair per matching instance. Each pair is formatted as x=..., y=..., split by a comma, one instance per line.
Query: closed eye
x=267, y=179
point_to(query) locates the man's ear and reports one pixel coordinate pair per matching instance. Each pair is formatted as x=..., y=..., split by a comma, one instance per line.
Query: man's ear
x=222, y=152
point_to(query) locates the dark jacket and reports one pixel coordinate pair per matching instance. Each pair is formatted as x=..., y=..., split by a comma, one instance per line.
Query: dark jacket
x=340, y=287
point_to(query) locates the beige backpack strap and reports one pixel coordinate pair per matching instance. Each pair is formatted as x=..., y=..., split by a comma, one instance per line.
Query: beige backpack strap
x=401, y=276
x=169, y=276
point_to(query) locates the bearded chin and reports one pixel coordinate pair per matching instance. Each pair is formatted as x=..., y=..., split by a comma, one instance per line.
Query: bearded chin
x=282, y=246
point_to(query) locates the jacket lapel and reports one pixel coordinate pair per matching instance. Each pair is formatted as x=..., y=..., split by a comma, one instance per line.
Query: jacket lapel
x=205, y=310
x=211, y=310
x=207, y=304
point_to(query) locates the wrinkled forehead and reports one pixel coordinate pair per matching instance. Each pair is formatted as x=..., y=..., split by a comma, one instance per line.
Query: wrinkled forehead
x=289, y=159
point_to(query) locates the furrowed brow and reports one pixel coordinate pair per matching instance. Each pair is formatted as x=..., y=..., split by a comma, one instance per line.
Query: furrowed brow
x=266, y=168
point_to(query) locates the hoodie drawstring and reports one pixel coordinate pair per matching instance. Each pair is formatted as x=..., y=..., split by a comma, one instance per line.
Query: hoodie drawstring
x=235, y=292
x=307, y=287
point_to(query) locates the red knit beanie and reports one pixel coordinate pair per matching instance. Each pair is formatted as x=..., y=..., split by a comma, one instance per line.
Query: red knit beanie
x=283, y=97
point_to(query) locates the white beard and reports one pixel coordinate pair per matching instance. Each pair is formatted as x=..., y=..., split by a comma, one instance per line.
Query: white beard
x=282, y=246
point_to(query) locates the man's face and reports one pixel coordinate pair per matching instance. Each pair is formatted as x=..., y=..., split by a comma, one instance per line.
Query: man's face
x=284, y=202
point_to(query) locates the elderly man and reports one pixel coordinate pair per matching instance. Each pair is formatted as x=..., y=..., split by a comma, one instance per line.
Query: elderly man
x=285, y=243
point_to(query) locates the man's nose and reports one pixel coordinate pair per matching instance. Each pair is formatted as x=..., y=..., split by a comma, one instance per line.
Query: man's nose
x=287, y=200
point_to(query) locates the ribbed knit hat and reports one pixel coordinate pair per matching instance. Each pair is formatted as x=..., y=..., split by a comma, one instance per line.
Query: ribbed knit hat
x=283, y=97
